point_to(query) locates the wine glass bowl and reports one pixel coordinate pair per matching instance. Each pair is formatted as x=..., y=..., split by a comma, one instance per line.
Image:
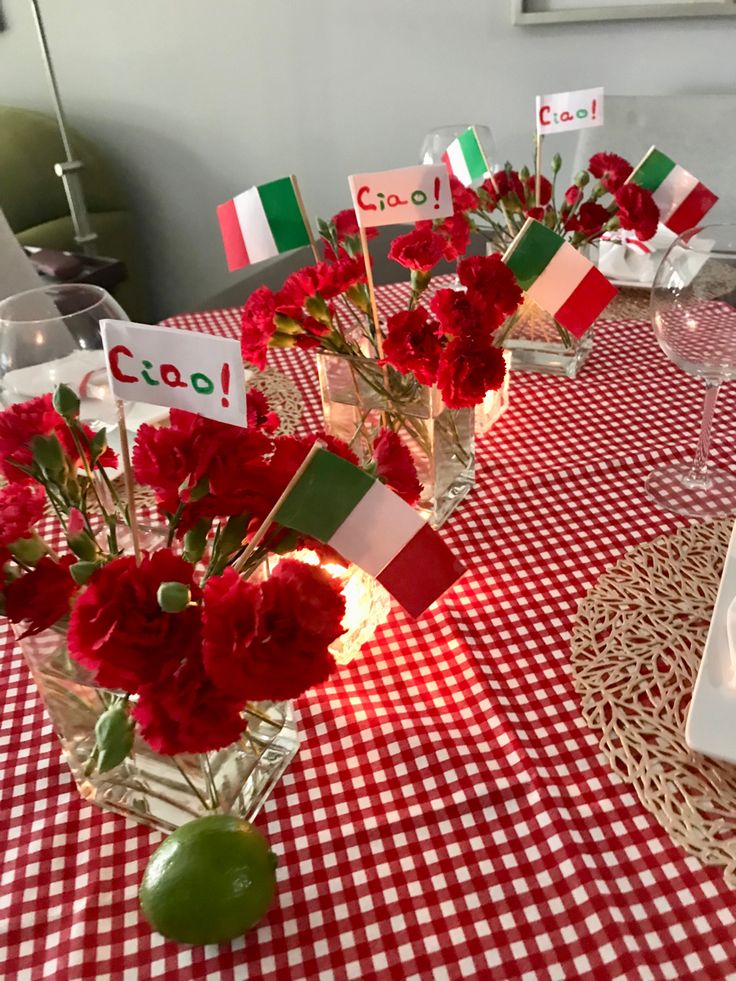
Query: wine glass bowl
x=436, y=142
x=693, y=312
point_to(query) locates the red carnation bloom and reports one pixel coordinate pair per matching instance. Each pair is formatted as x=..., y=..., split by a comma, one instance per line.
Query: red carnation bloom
x=589, y=220
x=573, y=195
x=412, y=344
x=456, y=232
x=637, y=210
x=395, y=466
x=493, y=282
x=455, y=311
x=507, y=186
x=259, y=413
x=300, y=615
x=37, y=417
x=610, y=169
x=463, y=198
x=257, y=326
x=21, y=507
x=420, y=249
x=468, y=369
x=229, y=625
x=335, y=278
x=545, y=190
x=186, y=713
x=119, y=631
x=346, y=226
x=42, y=596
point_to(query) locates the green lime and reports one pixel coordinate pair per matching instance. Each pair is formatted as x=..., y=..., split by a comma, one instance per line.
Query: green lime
x=210, y=881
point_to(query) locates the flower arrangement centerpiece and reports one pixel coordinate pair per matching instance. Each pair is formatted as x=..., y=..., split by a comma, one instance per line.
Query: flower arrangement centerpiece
x=167, y=669
x=598, y=201
x=421, y=370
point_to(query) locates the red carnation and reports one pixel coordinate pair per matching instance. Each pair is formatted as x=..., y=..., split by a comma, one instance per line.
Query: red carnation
x=454, y=310
x=300, y=615
x=259, y=413
x=412, y=344
x=468, y=369
x=590, y=219
x=229, y=624
x=420, y=249
x=21, y=507
x=530, y=190
x=395, y=466
x=37, y=417
x=456, y=232
x=505, y=184
x=573, y=195
x=463, y=198
x=494, y=283
x=637, y=210
x=346, y=226
x=186, y=713
x=42, y=596
x=257, y=326
x=610, y=169
x=119, y=631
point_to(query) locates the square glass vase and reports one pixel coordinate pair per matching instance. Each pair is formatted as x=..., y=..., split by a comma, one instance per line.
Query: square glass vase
x=359, y=397
x=162, y=792
x=536, y=343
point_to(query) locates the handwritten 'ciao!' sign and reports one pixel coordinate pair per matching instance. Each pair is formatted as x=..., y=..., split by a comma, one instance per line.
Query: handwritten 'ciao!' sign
x=565, y=111
x=180, y=369
x=390, y=197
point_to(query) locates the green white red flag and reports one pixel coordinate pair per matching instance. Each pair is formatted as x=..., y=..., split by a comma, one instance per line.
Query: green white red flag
x=558, y=277
x=465, y=158
x=367, y=524
x=683, y=201
x=262, y=222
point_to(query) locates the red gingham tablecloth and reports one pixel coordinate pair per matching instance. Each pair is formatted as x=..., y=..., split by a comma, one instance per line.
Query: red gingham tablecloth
x=448, y=814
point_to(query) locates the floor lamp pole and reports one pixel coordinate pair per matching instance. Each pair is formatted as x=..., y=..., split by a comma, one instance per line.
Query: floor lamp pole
x=70, y=169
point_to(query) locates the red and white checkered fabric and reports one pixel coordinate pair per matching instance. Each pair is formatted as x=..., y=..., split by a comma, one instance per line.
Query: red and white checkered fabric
x=448, y=815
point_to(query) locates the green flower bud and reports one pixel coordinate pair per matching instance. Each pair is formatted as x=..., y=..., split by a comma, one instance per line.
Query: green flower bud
x=201, y=489
x=420, y=280
x=82, y=571
x=195, y=540
x=48, y=454
x=66, y=402
x=556, y=163
x=287, y=325
x=173, y=597
x=97, y=446
x=524, y=173
x=582, y=178
x=114, y=733
x=28, y=550
x=317, y=308
x=83, y=546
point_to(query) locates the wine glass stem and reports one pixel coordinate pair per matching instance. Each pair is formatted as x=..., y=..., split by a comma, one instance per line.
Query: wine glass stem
x=698, y=476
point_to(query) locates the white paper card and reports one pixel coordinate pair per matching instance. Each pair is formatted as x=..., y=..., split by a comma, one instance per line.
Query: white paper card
x=566, y=111
x=390, y=197
x=178, y=368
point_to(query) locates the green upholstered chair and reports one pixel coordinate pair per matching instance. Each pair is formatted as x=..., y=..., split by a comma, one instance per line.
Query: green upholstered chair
x=33, y=199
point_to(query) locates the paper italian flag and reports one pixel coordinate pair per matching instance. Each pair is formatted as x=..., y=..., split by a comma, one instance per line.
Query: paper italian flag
x=681, y=198
x=262, y=222
x=558, y=277
x=367, y=524
x=465, y=158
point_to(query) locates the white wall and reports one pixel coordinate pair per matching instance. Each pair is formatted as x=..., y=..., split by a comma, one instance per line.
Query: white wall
x=197, y=99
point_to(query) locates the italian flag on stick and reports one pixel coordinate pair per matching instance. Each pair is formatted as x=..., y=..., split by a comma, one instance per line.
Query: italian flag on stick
x=681, y=198
x=465, y=158
x=370, y=526
x=262, y=222
x=558, y=278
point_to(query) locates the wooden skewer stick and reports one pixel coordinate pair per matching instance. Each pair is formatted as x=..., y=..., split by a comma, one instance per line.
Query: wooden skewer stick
x=371, y=290
x=305, y=216
x=268, y=520
x=129, y=480
x=538, y=169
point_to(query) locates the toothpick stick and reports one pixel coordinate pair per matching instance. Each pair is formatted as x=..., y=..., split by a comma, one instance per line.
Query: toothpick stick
x=538, y=169
x=517, y=239
x=268, y=520
x=305, y=216
x=371, y=290
x=494, y=185
x=129, y=481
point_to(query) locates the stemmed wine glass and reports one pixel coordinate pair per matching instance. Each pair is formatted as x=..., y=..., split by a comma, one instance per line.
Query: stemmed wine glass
x=436, y=141
x=693, y=310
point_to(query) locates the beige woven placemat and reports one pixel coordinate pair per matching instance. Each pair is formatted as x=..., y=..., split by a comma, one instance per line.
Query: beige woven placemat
x=635, y=651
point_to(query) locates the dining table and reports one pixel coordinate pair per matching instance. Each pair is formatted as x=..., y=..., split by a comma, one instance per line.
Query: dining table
x=449, y=813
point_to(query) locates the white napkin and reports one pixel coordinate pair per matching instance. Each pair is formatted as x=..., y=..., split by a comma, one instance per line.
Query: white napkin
x=623, y=257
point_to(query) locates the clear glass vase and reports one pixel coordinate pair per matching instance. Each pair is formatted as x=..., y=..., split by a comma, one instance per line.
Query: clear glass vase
x=162, y=792
x=537, y=343
x=359, y=397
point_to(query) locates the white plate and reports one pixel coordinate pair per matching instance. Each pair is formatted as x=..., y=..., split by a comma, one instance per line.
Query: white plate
x=711, y=722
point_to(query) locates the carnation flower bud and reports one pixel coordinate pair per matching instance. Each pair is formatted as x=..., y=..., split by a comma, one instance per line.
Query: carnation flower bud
x=48, y=454
x=556, y=163
x=66, y=402
x=83, y=546
x=287, y=325
x=317, y=308
x=173, y=597
x=28, y=550
x=81, y=571
x=524, y=173
x=113, y=736
x=582, y=178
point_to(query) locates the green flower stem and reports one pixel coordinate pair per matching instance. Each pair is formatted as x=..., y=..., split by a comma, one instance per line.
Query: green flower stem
x=180, y=768
x=251, y=709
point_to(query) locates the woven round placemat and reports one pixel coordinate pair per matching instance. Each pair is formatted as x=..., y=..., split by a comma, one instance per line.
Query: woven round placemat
x=635, y=650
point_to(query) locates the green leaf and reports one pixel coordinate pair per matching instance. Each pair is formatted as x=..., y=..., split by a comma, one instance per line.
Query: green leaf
x=28, y=550
x=195, y=540
x=81, y=571
x=48, y=454
x=200, y=489
x=97, y=446
x=114, y=733
x=173, y=597
x=234, y=533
